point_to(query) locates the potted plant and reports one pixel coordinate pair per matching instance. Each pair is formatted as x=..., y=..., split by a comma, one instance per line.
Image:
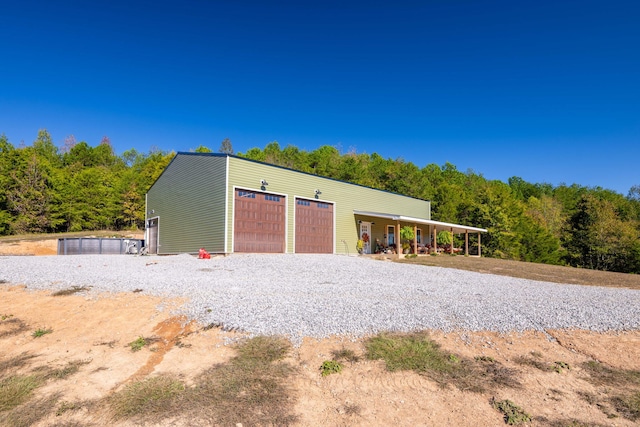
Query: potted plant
x=406, y=236
x=360, y=246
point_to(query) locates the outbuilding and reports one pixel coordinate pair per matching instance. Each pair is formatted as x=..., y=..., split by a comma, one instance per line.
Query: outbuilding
x=229, y=204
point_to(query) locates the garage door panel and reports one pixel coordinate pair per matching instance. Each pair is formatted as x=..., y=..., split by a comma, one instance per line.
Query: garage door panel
x=259, y=222
x=314, y=227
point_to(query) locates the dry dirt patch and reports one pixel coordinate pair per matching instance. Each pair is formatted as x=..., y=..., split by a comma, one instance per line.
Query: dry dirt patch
x=97, y=330
x=94, y=332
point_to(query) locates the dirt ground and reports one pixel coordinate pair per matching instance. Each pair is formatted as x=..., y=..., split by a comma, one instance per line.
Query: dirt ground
x=96, y=329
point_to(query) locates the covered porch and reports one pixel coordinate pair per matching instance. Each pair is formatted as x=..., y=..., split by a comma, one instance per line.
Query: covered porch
x=384, y=229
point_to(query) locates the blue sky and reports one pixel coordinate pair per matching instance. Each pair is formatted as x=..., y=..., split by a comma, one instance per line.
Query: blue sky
x=547, y=90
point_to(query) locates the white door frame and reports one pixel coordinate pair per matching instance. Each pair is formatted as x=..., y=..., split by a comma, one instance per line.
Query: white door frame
x=365, y=228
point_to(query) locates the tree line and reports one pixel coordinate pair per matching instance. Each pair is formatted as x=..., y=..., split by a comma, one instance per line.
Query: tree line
x=45, y=189
x=566, y=224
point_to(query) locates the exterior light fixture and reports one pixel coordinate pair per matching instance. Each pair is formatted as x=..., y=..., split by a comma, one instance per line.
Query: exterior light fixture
x=317, y=192
x=263, y=184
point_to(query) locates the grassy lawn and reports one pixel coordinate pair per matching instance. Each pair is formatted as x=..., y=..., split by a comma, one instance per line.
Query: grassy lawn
x=532, y=271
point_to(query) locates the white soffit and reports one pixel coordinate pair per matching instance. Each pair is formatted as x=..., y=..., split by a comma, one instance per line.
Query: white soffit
x=456, y=228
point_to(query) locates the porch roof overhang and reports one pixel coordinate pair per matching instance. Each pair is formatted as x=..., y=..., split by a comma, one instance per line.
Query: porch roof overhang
x=455, y=228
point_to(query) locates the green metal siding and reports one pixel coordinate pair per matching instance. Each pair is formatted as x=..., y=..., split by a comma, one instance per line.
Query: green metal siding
x=346, y=197
x=189, y=200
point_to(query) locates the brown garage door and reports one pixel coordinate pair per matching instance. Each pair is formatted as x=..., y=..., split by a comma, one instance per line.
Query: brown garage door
x=259, y=222
x=314, y=227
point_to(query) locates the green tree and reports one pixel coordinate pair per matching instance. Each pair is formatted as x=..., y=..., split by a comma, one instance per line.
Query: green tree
x=444, y=238
x=134, y=182
x=547, y=212
x=325, y=161
x=29, y=194
x=45, y=148
x=6, y=154
x=203, y=149
x=89, y=199
x=599, y=239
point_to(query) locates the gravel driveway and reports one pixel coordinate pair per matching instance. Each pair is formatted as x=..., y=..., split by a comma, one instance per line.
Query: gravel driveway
x=321, y=295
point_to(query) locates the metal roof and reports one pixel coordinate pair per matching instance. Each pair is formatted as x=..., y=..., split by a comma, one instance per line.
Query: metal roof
x=456, y=228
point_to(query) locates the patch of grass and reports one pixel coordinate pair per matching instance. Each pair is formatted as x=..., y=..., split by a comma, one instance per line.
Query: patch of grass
x=251, y=389
x=137, y=344
x=488, y=359
x=513, y=414
x=67, y=406
x=16, y=390
x=147, y=398
x=600, y=374
x=628, y=405
x=623, y=390
x=70, y=291
x=329, y=367
x=29, y=413
x=12, y=326
x=14, y=363
x=535, y=362
x=5, y=317
x=417, y=352
x=69, y=369
x=590, y=398
x=346, y=355
x=41, y=332
x=264, y=348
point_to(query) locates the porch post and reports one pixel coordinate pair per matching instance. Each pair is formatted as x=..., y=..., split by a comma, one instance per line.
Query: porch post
x=451, y=247
x=398, y=244
x=415, y=239
x=434, y=243
x=466, y=242
x=479, y=245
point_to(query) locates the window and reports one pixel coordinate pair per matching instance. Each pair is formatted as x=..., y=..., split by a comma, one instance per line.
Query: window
x=272, y=198
x=247, y=194
x=391, y=235
x=303, y=202
x=323, y=205
x=419, y=236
